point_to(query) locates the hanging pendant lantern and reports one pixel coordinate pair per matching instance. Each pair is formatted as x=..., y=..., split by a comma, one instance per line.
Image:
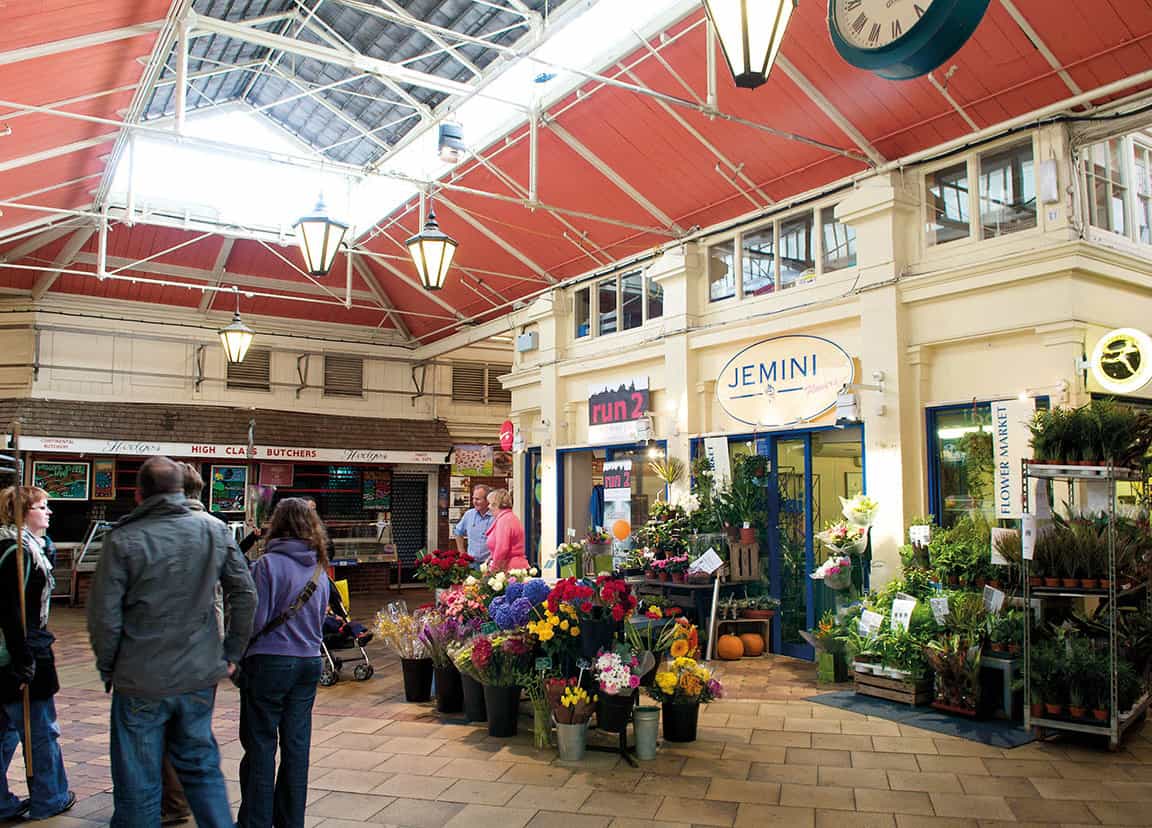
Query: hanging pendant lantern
x=432, y=251
x=319, y=237
x=750, y=33
x=236, y=337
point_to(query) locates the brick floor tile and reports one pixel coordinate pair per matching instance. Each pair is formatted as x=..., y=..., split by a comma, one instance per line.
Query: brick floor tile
x=804, y=725
x=558, y=819
x=828, y=797
x=887, y=761
x=417, y=813
x=918, y=821
x=417, y=746
x=969, y=806
x=537, y=775
x=1049, y=810
x=903, y=802
x=952, y=764
x=785, y=710
x=351, y=781
x=551, y=798
x=964, y=747
x=903, y=744
x=869, y=727
x=646, y=823
x=854, y=777
x=755, y=816
x=1012, y=767
x=686, y=786
x=738, y=790
x=618, y=781
x=1130, y=791
x=1087, y=770
x=627, y=805
x=724, y=735
x=418, y=765
x=793, y=774
x=697, y=811
x=727, y=768
x=353, y=759
x=488, y=816
x=480, y=792
x=985, y=785
x=838, y=819
x=921, y=781
x=754, y=753
x=828, y=758
x=414, y=787
x=757, y=722
x=1070, y=788
x=837, y=741
x=356, y=724
x=780, y=738
x=1120, y=813
x=473, y=769
x=663, y=764
x=348, y=805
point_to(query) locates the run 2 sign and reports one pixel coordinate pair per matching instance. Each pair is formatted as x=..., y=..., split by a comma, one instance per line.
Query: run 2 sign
x=784, y=380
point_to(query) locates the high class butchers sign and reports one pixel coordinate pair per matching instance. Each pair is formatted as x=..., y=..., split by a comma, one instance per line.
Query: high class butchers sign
x=784, y=380
x=223, y=451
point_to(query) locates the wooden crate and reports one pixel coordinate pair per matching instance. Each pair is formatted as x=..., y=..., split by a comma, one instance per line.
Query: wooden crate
x=743, y=561
x=906, y=692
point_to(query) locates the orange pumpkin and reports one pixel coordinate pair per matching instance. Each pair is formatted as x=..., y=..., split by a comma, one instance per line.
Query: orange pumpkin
x=730, y=648
x=753, y=644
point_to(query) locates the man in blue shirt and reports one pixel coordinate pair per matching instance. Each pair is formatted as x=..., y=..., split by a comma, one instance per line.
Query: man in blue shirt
x=471, y=531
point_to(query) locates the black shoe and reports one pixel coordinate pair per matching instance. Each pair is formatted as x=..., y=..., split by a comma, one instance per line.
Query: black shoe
x=68, y=805
x=175, y=819
x=18, y=814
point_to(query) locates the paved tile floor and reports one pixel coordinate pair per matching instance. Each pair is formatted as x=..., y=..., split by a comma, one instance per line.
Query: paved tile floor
x=764, y=757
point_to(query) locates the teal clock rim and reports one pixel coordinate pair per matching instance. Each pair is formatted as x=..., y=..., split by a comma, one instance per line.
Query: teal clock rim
x=822, y=411
x=943, y=29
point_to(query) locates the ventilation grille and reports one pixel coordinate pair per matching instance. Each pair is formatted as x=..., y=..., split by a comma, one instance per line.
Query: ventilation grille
x=254, y=373
x=343, y=376
x=479, y=383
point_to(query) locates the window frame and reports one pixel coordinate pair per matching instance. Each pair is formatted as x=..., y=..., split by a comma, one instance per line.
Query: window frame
x=1130, y=144
x=593, y=286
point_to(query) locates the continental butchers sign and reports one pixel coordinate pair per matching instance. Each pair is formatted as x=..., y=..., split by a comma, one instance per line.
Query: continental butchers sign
x=784, y=380
x=225, y=451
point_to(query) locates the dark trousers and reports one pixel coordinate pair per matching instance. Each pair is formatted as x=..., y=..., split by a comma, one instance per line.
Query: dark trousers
x=276, y=700
x=173, y=803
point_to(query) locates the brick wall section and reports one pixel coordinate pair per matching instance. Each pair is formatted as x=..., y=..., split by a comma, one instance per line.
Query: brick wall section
x=218, y=424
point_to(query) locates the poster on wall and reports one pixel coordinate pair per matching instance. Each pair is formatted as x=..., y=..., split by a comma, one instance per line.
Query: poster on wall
x=716, y=449
x=1010, y=445
x=281, y=475
x=229, y=489
x=618, y=481
x=615, y=408
x=502, y=463
x=377, y=487
x=62, y=480
x=472, y=461
x=104, y=479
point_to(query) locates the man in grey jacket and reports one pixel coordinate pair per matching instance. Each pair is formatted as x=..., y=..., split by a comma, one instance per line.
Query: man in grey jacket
x=152, y=624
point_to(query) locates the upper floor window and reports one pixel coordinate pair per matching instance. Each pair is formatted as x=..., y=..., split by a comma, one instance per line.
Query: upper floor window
x=1007, y=191
x=620, y=302
x=780, y=254
x=1118, y=186
x=948, y=209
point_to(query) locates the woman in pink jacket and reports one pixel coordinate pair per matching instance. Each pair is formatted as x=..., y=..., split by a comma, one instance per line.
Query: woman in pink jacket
x=505, y=535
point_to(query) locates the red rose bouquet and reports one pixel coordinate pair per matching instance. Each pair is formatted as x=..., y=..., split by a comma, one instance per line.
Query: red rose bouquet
x=616, y=597
x=443, y=568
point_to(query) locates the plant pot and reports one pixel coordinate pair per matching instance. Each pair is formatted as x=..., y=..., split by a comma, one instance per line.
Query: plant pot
x=1077, y=712
x=596, y=635
x=1090, y=583
x=1100, y=714
x=747, y=535
x=417, y=679
x=733, y=532
x=1105, y=583
x=680, y=721
x=474, y=708
x=663, y=576
x=1037, y=710
x=614, y=712
x=1035, y=580
x=1053, y=709
x=1069, y=583
x=1052, y=582
x=980, y=583
x=994, y=583
x=646, y=723
x=503, y=705
x=1014, y=649
x=449, y=689
x=997, y=647
x=678, y=577
x=953, y=580
x=571, y=740
x=758, y=614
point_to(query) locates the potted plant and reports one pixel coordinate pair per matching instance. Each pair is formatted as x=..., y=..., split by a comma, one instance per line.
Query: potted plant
x=443, y=568
x=681, y=686
x=617, y=673
x=400, y=632
x=572, y=709
x=1047, y=669
x=956, y=662
x=499, y=661
x=677, y=568
x=761, y=606
x=570, y=559
x=836, y=573
x=669, y=470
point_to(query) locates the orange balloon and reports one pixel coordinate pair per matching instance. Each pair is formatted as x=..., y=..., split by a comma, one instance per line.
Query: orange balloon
x=621, y=529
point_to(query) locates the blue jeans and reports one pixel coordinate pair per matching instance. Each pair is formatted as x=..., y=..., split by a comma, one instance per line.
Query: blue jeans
x=49, y=782
x=141, y=728
x=276, y=705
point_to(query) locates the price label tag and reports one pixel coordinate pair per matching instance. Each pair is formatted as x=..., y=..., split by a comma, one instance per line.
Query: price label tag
x=869, y=622
x=544, y=663
x=919, y=535
x=939, y=608
x=489, y=627
x=583, y=664
x=1027, y=536
x=993, y=599
x=571, y=533
x=902, y=612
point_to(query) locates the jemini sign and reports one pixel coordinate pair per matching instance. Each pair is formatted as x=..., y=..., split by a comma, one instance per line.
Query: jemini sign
x=784, y=380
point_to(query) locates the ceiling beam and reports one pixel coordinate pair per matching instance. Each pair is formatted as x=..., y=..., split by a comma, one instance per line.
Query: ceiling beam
x=1041, y=46
x=365, y=272
x=430, y=295
x=56, y=152
x=33, y=244
x=67, y=255
x=500, y=242
x=946, y=95
x=829, y=109
x=82, y=42
x=219, y=268
x=605, y=170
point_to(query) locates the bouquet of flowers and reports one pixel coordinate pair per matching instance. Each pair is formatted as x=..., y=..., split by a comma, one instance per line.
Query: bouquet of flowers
x=400, y=631
x=571, y=592
x=597, y=536
x=859, y=510
x=570, y=703
x=443, y=568
x=500, y=659
x=683, y=681
x=617, y=674
x=677, y=564
x=462, y=602
x=441, y=632
x=489, y=585
x=513, y=608
x=616, y=597
x=844, y=538
x=836, y=572
x=677, y=637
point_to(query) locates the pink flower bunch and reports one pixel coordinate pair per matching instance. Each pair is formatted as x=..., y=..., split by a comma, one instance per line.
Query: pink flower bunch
x=481, y=653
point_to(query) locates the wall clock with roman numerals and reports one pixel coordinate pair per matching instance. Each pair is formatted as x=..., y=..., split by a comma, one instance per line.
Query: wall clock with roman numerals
x=901, y=39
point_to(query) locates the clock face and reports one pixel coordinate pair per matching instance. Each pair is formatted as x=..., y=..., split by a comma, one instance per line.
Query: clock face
x=874, y=24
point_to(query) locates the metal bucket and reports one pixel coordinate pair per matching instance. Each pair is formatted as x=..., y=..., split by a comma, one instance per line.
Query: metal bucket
x=646, y=721
x=571, y=740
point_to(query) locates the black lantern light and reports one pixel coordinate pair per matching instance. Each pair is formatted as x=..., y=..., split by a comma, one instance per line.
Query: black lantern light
x=432, y=251
x=319, y=236
x=750, y=33
x=236, y=337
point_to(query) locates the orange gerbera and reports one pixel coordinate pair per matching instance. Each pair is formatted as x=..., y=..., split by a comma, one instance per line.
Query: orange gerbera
x=679, y=648
x=693, y=640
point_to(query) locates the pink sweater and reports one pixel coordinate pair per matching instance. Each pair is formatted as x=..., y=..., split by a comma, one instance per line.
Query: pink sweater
x=506, y=543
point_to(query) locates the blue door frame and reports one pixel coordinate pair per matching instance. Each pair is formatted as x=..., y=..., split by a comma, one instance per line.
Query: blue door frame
x=531, y=464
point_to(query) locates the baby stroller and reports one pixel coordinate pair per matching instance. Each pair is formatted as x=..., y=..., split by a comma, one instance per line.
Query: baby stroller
x=341, y=633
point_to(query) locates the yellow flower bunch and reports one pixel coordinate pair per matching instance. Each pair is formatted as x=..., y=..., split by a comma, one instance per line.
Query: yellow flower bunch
x=545, y=628
x=684, y=680
x=574, y=696
x=666, y=682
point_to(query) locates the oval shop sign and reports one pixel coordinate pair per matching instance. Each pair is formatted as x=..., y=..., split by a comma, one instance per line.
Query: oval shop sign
x=784, y=380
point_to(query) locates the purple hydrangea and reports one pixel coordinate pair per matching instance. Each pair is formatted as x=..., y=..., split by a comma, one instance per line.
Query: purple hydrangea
x=509, y=614
x=536, y=591
x=514, y=590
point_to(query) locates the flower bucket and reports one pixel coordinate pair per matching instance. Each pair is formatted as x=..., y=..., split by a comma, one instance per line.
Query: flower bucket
x=596, y=635
x=571, y=739
x=474, y=707
x=503, y=705
x=646, y=721
x=417, y=679
x=680, y=722
x=613, y=712
x=678, y=577
x=449, y=689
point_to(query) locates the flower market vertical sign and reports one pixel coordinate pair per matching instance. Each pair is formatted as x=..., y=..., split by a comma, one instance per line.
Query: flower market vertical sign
x=784, y=380
x=614, y=409
x=1010, y=434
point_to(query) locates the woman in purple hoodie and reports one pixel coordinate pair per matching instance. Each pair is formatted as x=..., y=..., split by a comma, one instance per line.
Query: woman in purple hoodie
x=281, y=668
